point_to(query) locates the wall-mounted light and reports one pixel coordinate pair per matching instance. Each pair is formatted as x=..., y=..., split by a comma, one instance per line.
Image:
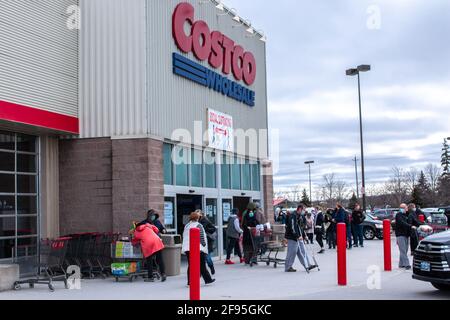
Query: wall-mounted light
x=220, y=6
x=191, y=191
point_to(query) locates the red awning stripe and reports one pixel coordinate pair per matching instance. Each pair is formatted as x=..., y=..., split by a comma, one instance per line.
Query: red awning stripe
x=39, y=118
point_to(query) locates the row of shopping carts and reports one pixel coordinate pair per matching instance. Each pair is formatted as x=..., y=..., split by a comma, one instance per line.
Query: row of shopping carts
x=90, y=253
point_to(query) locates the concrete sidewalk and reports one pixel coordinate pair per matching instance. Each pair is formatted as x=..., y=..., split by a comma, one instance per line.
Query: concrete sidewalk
x=241, y=282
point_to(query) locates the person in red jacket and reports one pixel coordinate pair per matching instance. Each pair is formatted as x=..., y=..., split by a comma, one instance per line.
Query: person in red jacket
x=152, y=246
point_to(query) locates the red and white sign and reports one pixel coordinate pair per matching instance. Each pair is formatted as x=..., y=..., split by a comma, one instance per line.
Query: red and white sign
x=220, y=131
x=218, y=49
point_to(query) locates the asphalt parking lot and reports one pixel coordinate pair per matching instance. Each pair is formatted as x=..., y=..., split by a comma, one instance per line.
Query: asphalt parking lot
x=263, y=283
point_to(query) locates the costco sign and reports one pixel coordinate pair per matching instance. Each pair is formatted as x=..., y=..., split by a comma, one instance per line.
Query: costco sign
x=221, y=52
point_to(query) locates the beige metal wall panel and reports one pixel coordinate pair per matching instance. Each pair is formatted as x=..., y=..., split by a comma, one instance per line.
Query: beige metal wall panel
x=112, y=68
x=39, y=55
x=175, y=102
x=49, y=187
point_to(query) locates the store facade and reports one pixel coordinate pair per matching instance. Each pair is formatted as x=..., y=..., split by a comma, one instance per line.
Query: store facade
x=145, y=106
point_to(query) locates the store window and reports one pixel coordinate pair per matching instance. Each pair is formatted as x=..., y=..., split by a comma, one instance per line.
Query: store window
x=19, y=214
x=170, y=217
x=246, y=176
x=236, y=174
x=168, y=164
x=256, y=176
x=210, y=170
x=225, y=172
x=197, y=168
x=181, y=157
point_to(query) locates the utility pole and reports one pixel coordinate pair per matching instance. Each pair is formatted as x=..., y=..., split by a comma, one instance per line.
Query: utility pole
x=357, y=179
x=309, y=163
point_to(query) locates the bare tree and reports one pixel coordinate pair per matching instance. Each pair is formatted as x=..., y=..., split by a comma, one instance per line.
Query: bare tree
x=329, y=187
x=433, y=173
x=411, y=178
x=397, y=185
x=341, y=190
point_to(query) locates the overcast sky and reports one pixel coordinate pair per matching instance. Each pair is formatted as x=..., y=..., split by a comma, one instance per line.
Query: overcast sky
x=406, y=96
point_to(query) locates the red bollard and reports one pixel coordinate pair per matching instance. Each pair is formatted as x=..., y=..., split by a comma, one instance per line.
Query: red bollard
x=194, y=264
x=342, y=253
x=422, y=218
x=387, y=245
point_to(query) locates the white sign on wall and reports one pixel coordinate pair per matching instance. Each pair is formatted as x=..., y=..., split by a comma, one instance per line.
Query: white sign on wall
x=220, y=131
x=168, y=213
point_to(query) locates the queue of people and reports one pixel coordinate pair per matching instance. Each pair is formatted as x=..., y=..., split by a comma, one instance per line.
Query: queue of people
x=303, y=227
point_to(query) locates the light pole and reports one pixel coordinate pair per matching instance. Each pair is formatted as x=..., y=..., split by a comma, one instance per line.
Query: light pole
x=357, y=179
x=309, y=163
x=351, y=73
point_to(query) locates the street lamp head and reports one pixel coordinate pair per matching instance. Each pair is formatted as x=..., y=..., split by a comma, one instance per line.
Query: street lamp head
x=364, y=68
x=352, y=72
x=309, y=162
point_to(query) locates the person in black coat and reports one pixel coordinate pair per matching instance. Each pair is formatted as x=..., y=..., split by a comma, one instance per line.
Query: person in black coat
x=358, y=217
x=211, y=233
x=413, y=219
x=331, y=229
x=319, y=230
x=249, y=220
x=403, y=229
x=153, y=219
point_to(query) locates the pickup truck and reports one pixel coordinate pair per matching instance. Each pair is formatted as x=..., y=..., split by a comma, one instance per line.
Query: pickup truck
x=432, y=261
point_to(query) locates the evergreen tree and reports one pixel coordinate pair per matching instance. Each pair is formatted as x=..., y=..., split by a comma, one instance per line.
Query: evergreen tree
x=417, y=197
x=353, y=202
x=305, y=199
x=444, y=190
x=445, y=159
x=421, y=195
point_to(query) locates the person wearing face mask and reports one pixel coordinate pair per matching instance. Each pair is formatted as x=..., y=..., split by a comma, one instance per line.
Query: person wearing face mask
x=153, y=219
x=249, y=220
x=403, y=229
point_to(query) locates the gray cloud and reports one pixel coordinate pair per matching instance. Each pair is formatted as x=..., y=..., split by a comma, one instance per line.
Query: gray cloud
x=314, y=105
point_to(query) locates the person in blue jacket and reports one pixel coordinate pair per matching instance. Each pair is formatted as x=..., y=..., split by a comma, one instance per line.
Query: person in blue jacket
x=340, y=214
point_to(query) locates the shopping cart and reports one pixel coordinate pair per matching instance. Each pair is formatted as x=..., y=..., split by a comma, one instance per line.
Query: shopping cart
x=129, y=258
x=51, y=264
x=263, y=249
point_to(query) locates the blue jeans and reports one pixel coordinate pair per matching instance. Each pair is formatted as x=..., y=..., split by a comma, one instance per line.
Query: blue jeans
x=358, y=234
x=349, y=235
x=209, y=261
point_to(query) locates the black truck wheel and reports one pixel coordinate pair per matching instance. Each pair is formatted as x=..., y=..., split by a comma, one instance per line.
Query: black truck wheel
x=440, y=286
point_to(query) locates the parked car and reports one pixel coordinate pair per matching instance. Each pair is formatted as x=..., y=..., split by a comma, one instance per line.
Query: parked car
x=372, y=228
x=436, y=218
x=447, y=213
x=383, y=214
x=432, y=260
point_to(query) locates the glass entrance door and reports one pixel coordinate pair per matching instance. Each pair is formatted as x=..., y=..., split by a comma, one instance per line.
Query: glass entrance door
x=19, y=232
x=211, y=214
